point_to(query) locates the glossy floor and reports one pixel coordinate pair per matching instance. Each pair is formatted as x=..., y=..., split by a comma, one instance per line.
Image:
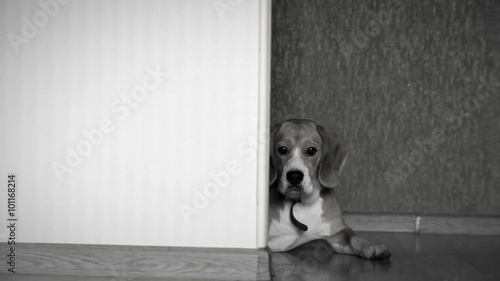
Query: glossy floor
x=414, y=257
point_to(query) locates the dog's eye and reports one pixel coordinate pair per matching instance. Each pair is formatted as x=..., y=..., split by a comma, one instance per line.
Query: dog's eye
x=282, y=150
x=311, y=151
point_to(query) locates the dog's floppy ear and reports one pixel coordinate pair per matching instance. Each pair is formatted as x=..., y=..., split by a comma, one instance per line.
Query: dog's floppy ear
x=273, y=171
x=332, y=158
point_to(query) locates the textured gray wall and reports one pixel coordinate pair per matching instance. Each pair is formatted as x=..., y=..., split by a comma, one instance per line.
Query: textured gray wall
x=411, y=86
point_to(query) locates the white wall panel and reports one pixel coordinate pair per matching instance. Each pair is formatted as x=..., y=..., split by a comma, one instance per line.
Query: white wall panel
x=77, y=71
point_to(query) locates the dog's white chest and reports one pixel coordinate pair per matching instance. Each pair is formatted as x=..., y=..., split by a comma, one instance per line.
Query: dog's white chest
x=284, y=235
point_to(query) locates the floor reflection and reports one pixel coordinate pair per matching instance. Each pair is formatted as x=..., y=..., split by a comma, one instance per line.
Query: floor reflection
x=316, y=261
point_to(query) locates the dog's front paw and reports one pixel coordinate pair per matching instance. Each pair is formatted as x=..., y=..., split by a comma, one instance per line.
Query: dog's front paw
x=375, y=252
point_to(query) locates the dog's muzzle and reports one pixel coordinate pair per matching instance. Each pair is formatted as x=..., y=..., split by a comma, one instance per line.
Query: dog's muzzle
x=294, y=184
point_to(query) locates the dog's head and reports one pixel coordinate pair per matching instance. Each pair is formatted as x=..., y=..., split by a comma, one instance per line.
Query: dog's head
x=304, y=157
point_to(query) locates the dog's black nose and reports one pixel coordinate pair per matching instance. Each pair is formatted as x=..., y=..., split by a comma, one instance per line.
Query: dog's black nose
x=295, y=177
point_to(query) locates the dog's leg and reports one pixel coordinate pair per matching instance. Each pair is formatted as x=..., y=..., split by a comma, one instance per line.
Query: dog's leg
x=369, y=250
x=347, y=242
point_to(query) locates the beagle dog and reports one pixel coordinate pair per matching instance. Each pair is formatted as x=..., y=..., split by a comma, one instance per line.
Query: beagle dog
x=305, y=165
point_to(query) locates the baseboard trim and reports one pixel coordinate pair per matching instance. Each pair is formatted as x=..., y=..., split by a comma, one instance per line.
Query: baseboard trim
x=414, y=223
